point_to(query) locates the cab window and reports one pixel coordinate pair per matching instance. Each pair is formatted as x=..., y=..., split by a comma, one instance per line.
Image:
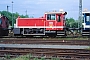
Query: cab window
x=59, y=18
x=51, y=17
x=88, y=18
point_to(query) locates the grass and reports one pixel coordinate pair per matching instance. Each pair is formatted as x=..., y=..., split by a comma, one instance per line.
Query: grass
x=26, y=57
x=88, y=48
x=29, y=57
x=67, y=38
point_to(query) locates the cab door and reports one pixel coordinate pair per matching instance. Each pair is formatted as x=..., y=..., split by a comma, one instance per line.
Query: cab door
x=51, y=22
x=60, y=21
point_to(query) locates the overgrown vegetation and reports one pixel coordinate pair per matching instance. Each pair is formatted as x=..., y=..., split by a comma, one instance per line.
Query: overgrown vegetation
x=30, y=57
x=72, y=23
x=9, y=15
x=88, y=48
x=78, y=38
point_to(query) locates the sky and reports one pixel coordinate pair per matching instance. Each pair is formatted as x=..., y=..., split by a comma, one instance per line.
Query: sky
x=37, y=8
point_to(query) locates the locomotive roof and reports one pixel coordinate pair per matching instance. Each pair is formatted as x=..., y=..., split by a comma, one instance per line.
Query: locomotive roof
x=86, y=12
x=60, y=12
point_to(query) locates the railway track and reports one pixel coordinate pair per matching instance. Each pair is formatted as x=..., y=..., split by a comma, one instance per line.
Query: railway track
x=44, y=41
x=70, y=54
x=47, y=53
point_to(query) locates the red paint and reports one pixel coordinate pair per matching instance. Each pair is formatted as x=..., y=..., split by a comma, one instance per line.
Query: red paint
x=31, y=22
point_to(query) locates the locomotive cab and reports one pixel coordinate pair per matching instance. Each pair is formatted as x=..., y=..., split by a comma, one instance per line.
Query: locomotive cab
x=86, y=23
x=55, y=22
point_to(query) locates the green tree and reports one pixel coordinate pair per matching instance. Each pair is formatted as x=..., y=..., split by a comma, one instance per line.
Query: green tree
x=15, y=16
x=71, y=23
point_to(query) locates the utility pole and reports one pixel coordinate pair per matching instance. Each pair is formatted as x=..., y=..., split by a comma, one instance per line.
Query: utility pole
x=12, y=16
x=7, y=9
x=26, y=12
x=80, y=14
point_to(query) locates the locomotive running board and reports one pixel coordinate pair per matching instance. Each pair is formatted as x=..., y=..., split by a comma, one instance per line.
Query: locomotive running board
x=60, y=33
x=86, y=34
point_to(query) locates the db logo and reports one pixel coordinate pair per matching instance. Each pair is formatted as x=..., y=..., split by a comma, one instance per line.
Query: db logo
x=50, y=24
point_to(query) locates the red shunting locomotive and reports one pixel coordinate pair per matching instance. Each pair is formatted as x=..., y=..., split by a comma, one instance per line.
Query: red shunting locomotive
x=52, y=24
